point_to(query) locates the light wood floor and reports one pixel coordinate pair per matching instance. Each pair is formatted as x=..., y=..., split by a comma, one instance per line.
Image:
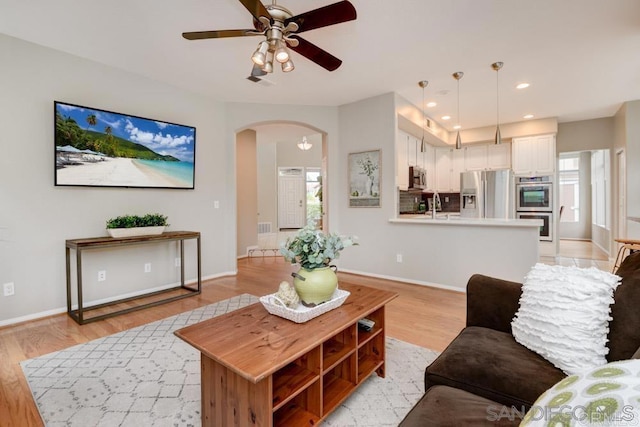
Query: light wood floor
x=579, y=253
x=424, y=316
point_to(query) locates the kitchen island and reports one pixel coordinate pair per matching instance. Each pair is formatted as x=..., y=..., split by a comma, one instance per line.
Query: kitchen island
x=447, y=250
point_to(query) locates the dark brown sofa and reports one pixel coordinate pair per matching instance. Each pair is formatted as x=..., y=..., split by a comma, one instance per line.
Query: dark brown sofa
x=484, y=377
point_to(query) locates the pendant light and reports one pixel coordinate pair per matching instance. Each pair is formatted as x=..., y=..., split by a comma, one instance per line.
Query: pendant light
x=423, y=84
x=498, y=138
x=458, y=75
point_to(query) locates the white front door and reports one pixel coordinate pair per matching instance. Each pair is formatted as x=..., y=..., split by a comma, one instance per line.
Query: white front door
x=291, y=198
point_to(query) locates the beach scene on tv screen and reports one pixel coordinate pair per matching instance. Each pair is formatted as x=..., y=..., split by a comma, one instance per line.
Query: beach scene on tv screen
x=101, y=148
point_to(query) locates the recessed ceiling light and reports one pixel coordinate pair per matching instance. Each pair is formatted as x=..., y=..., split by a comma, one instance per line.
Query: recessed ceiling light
x=431, y=104
x=446, y=117
x=528, y=116
x=457, y=127
x=522, y=86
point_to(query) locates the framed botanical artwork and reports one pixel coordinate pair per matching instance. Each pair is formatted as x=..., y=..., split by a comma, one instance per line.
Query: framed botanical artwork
x=364, y=179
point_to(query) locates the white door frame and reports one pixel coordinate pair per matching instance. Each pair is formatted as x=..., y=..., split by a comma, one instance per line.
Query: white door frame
x=621, y=161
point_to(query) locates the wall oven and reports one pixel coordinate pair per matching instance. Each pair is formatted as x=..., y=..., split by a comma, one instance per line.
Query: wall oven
x=546, y=229
x=534, y=196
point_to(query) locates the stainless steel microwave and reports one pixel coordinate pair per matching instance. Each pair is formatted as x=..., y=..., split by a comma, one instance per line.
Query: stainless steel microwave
x=417, y=177
x=534, y=196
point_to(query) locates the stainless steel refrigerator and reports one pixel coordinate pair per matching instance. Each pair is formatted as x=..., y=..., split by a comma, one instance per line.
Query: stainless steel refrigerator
x=487, y=194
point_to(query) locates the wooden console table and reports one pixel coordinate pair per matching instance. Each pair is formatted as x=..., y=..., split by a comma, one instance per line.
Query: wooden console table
x=80, y=245
x=262, y=370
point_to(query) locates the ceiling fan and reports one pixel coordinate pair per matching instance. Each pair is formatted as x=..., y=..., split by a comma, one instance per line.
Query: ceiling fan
x=280, y=29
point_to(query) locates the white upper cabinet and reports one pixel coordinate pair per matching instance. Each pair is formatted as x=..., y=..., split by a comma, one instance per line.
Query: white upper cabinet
x=487, y=157
x=402, y=165
x=408, y=154
x=449, y=162
x=499, y=156
x=534, y=155
x=475, y=158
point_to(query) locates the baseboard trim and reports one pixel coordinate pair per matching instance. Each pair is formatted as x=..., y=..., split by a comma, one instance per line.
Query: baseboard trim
x=55, y=311
x=405, y=280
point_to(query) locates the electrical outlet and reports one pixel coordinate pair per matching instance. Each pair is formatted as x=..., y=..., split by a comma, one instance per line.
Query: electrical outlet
x=216, y=204
x=9, y=289
x=147, y=267
x=102, y=275
x=398, y=257
x=177, y=262
x=446, y=199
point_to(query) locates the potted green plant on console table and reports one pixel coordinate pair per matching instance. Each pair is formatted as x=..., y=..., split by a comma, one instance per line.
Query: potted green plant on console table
x=316, y=281
x=134, y=225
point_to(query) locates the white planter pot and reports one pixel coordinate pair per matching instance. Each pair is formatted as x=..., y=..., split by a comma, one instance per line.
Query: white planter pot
x=135, y=231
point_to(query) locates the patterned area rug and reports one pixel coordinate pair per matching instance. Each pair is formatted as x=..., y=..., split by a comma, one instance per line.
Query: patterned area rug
x=146, y=376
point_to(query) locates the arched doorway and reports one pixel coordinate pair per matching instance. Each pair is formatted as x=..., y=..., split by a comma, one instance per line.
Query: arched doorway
x=267, y=155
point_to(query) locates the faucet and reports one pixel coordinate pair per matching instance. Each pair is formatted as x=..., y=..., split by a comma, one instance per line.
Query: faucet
x=435, y=202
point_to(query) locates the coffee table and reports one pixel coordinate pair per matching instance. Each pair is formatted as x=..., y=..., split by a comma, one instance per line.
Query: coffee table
x=262, y=370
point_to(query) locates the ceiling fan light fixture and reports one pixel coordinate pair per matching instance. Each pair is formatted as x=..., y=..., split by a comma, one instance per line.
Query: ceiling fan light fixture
x=281, y=54
x=268, y=67
x=259, y=57
x=288, y=66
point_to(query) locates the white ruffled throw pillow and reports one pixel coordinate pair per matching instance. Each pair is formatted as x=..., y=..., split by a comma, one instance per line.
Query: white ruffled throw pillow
x=564, y=315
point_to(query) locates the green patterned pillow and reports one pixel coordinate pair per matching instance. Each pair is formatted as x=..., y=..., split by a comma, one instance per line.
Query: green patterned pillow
x=608, y=395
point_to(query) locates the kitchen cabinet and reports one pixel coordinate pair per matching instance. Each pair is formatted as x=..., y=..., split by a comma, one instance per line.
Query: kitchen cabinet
x=487, y=157
x=429, y=165
x=499, y=156
x=449, y=163
x=534, y=155
x=402, y=161
x=408, y=154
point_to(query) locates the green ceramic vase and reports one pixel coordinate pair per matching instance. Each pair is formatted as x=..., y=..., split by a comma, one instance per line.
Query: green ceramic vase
x=315, y=286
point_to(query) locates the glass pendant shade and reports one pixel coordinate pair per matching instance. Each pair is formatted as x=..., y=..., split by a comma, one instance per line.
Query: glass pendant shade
x=268, y=67
x=281, y=53
x=288, y=66
x=498, y=138
x=259, y=57
x=458, y=141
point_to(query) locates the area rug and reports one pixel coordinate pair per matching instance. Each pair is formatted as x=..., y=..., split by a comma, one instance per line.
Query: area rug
x=146, y=376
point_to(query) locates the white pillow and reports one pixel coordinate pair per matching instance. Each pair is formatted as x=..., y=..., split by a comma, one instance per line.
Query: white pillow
x=564, y=315
x=605, y=396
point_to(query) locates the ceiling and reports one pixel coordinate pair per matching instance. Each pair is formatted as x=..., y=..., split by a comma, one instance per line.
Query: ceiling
x=580, y=56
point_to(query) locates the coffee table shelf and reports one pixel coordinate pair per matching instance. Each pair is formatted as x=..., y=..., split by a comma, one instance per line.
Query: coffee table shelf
x=289, y=381
x=262, y=370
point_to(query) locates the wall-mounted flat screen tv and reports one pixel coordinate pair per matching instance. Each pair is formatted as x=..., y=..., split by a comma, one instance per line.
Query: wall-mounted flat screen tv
x=98, y=148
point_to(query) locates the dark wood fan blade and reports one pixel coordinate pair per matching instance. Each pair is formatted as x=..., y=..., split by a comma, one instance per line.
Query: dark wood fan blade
x=256, y=8
x=315, y=54
x=336, y=13
x=198, y=35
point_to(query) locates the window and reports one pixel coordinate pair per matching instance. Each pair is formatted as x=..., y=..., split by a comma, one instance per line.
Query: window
x=570, y=188
x=600, y=197
x=314, y=195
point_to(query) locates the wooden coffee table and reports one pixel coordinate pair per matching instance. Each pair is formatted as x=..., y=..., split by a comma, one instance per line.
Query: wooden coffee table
x=262, y=370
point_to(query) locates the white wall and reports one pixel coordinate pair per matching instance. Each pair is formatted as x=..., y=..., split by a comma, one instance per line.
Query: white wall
x=582, y=228
x=39, y=217
x=247, y=200
x=633, y=171
x=267, y=183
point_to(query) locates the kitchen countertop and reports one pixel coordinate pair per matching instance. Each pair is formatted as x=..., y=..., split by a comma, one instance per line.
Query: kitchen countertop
x=454, y=219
